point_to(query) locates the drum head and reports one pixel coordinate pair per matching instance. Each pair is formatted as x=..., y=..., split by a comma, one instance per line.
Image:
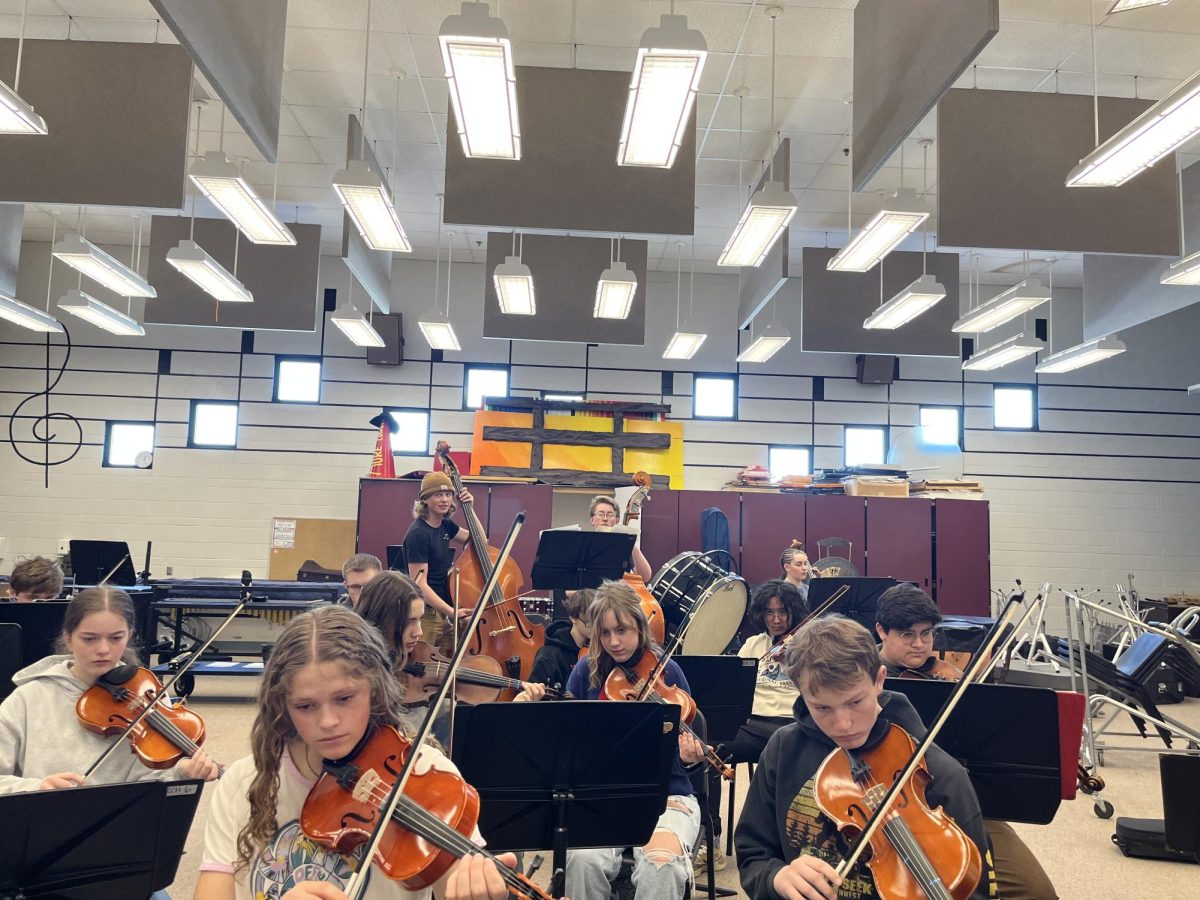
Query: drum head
x=716, y=617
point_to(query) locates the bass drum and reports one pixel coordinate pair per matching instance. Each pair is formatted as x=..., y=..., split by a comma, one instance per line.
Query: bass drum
x=693, y=590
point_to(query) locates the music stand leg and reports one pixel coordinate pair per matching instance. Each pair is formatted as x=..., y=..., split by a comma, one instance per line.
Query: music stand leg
x=558, y=877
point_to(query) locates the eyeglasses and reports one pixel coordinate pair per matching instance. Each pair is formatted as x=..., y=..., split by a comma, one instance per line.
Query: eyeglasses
x=917, y=637
x=604, y=515
x=769, y=613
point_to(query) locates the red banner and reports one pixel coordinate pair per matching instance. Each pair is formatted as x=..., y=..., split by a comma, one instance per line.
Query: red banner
x=383, y=464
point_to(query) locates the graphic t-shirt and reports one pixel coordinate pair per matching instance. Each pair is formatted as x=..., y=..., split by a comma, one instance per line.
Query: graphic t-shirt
x=290, y=857
x=774, y=692
x=425, y=544
x=807, y=830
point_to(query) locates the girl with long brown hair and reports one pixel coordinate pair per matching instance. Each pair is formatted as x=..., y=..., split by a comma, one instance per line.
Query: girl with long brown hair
x=327, y=684
x=42, y=744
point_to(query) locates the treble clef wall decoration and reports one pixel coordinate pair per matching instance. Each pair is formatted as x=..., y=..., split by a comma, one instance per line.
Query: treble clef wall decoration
x=41, y=425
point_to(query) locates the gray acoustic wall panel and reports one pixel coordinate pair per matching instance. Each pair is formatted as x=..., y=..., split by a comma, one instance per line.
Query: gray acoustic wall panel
x=118, y=121
x=239, y=48
x=836, y=303
x=907, y=54
x=12, y=218
x=372, y=268
x=565, y=271
x=757, y=286
x=282, y=279
x=1122, y=291
x=568, y=178
x=1003, y=158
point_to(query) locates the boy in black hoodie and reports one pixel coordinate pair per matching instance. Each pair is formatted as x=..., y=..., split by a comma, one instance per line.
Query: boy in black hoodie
x=564, y=639
x=786, y=847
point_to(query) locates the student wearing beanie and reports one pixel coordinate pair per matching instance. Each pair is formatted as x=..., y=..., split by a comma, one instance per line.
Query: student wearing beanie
x=429, y=548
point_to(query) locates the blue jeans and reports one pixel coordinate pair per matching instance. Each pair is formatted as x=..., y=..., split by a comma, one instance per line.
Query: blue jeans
x=657, y=876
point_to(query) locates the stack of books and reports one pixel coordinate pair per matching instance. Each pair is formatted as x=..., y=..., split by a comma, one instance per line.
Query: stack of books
x=960, y=488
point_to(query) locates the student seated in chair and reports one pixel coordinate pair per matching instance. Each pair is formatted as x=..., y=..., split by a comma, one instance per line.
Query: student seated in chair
x=36, y=578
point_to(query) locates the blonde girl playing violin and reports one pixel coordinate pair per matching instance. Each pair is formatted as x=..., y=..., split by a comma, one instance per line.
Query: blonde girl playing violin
x=326, y=685
x=43, y=746
x=662, y=868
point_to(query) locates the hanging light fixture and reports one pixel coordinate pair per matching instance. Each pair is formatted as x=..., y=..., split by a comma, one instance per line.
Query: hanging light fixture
x=662, y=92
x=514, y=284
x=901, y=215
x=353, y=324
x=1080, y=355
x=362, y=192
x=88, y=308
x=1007, y=351
x=13, y=310
x=771, y=208
x=766, y=345
x=434, y=324
x=1186, y=269
x=1123, y=5
x=193, y=261
x=222, y=183
x=1004, y=307
x=84, y=256
x=616, y=288
x=478, y=60
x=687, y=339
x=17, y=116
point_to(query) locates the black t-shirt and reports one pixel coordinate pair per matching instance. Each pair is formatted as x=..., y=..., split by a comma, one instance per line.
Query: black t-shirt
x=426, y=544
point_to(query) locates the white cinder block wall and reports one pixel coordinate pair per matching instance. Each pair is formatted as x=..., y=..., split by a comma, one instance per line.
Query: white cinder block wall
x=1108, y=485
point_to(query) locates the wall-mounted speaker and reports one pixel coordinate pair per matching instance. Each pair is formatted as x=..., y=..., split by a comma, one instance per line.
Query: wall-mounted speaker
x=874, y=369
x=391, y=329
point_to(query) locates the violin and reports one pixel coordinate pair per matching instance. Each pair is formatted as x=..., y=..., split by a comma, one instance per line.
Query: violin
x=939, y=671
x=642, y=682
x=164, y=736
x=503, y=633
x=479, y=679
x=780, y=645
x=430, y=829
x=918, y=853
x=650, y=605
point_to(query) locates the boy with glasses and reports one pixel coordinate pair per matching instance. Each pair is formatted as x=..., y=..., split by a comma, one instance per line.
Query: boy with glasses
x=906, y=621
x=603, y=513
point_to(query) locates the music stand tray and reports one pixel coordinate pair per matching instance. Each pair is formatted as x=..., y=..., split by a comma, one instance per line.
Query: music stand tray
x=546, y=780
x=723, y=688
x=76, y=844
x=1007, y=738
x=569, y=560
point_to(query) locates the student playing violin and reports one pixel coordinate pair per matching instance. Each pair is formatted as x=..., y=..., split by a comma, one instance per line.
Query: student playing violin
x=43, y=745
x=326, y=686
x=786, y=846
x=621, y=635
x=905, y=619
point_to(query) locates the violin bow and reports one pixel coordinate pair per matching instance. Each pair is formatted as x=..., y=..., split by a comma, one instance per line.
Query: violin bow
x=247, y=583
x=1001, y=633
x=815, y=614
x=358, y=881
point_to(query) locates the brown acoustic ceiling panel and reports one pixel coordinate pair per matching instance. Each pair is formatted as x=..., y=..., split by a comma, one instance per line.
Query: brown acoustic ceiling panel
x=567, y=178
x=117, y=116
x=1003, y=160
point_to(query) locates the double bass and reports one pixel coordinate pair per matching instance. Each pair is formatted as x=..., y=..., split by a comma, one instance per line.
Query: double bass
x=650, y=606
x=503, y=632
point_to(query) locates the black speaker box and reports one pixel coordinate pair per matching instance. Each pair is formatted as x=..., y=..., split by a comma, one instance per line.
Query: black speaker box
x=875, y=369
x=391, y=329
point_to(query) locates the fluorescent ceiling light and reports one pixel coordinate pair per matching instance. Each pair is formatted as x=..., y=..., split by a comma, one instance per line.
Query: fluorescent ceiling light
x=766, y=345
x=17, y=116
x=763, y=220
x=355, y=326
x=1123, y=5
x=1004, y=307
x=666, y=77
x=901, y=216
x=438, y=331
x=908, y=304
x=190, y=259
x=223, y=184
x=1156, y=132
x=27, y=317
x=86, y=257
x=614, y=292
x=100, y=314
x=1183, y=271
x=684, y=344
x=1080, y=355
x=366, y=199
x=514, y=287
x=478, y=58
x=1003, y=353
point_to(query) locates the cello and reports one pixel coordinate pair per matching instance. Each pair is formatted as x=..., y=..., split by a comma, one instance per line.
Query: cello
x=650, y=605
x=503, y=632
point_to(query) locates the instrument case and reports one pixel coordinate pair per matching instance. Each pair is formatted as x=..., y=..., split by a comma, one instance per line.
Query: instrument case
x=1146, y=838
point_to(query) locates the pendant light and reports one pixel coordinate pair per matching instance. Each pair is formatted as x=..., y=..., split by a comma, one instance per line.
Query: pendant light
x=687, y=338
x=88, y=308
x=480, y=77
x=513, y=282
x=616, y=288
x=353, y=324
x=434, y=324
x=16, y=115
x=1080, y=355
x=30, y=317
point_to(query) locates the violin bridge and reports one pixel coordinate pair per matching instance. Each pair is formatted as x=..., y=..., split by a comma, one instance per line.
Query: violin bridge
x=369, y=788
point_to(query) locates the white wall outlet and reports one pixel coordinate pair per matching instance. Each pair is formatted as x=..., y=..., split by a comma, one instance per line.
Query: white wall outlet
x=64, y=547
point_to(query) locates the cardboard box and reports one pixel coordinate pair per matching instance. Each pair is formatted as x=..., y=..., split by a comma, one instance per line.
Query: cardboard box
x=875, y=486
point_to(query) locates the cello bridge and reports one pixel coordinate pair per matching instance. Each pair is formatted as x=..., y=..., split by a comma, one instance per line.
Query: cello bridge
x=500, y=631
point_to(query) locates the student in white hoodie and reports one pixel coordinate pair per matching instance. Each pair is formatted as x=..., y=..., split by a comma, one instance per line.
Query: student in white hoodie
x=43, y=746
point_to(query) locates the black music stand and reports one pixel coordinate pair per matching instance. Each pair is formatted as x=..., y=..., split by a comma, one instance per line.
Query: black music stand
x=397, y=560
x=1007, y=738
x=41, y=624
x=75, y=844
x=92, y=560
x=569, y=559
x=1181, y=814
x=11, y=661
x=858, y=603
x=546, y=780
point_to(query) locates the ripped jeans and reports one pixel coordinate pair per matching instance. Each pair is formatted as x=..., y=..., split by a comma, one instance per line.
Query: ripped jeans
x=657, y=875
